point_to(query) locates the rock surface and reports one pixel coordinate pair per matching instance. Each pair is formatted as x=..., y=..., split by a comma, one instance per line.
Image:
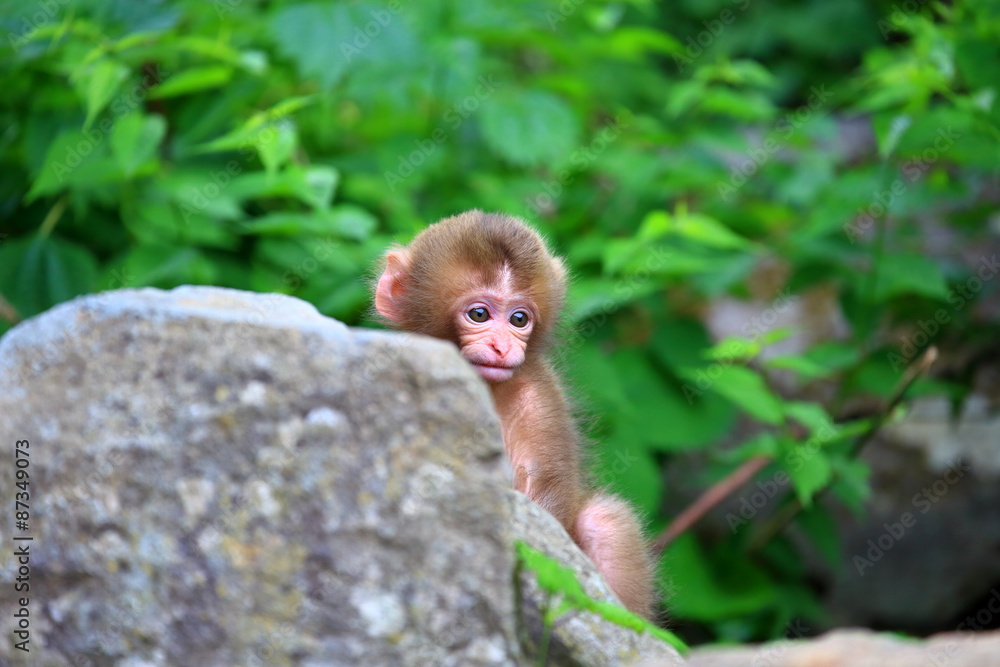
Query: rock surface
x=220, y=477
x=858, y=648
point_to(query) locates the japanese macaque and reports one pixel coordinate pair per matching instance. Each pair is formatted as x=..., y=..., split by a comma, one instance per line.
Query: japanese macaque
x=488, y=283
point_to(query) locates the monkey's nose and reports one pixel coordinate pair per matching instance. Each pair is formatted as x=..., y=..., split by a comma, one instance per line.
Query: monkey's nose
x=499, y=346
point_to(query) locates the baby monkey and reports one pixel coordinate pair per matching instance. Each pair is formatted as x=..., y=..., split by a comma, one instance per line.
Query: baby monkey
x=487, y=283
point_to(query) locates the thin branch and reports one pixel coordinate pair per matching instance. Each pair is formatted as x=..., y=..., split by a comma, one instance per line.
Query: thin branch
x=709, y=499
x=777, y=522
x=49, y=223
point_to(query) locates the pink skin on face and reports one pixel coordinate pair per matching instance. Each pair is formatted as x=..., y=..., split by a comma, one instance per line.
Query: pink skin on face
x=495, y=345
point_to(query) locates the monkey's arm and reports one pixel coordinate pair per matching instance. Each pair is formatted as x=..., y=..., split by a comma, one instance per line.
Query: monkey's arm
x=542, y=442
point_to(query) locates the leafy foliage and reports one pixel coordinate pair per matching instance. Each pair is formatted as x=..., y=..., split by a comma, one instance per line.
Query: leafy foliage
x=557, y=580
x=678, y=154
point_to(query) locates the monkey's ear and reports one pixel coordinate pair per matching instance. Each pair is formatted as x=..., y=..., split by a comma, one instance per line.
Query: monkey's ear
x=560, y=270
x=392, y=285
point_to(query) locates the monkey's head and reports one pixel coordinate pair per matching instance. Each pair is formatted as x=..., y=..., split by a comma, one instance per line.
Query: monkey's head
x=484, y=281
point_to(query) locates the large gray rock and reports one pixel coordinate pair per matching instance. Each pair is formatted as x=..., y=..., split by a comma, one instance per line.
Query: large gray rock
x=220, y=477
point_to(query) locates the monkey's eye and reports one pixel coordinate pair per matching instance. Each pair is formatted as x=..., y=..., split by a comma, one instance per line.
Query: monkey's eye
x=519, y=319
x=479, y=314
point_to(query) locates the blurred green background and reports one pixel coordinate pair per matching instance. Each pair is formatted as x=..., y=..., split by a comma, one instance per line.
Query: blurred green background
x=775, y=158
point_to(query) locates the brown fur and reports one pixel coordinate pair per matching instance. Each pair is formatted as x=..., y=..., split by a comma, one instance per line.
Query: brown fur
x=417, y=292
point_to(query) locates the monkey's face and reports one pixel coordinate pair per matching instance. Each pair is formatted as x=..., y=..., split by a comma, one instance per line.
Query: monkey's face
x=493, y=331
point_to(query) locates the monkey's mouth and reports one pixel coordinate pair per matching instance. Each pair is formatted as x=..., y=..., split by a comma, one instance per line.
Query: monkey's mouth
x=494, y=373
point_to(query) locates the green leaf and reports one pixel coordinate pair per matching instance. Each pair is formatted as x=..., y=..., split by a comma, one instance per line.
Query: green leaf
x=709, y=591
x=629, y=471
x=65, y=163
x=822, y=531
x=800, y=365
x=353, y=222
x=811, y=415
x=809, y=468
x=733, y=348
x=529, y=128
x=663, y=415
x=347, y=221
x=98, y=83
x=314, y=186
x=900, y=274
x=37, y=273
x=326, y=40
x=164, y=266
x=742, y=387
x=851, y=485
x=694, y=226
x=557, y=579
x=276, y=147
x=192, y=80
x=257, y=129
x=135, y=140
x=889, y=133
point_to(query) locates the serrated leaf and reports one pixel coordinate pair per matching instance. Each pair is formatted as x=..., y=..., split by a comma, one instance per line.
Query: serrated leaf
x=318, y=185
x=314, y=186
x=528, y=129
x=135, y=140
x=64, y=163
x=98, y=84
x=37, y=273
x=347, y=221
x=809, y=468
x=707, y=230
x=742, y=387
x=276, y=147
x=165, y=266
x=259, y=124
x=325, y=40
x=192, y=80
x=733, y=348
x=812, y=415
x=695, y=226
x=910, y=274
x=353, y=222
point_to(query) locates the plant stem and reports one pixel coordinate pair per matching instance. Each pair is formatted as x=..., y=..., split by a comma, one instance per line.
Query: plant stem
x=777, y=522
x=49, y=223
x=709, y=499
